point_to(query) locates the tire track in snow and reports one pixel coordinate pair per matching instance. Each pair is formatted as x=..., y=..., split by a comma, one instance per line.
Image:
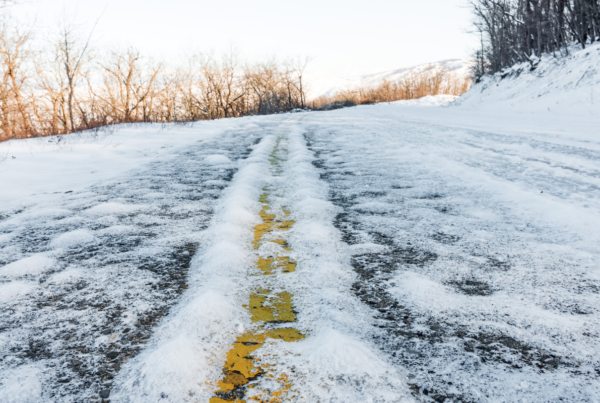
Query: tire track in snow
x=460, y=311
x=337, y=360
x=184, y=360
x=99, y=269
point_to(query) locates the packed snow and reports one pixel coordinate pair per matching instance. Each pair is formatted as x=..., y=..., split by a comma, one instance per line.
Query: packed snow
x=217, y=159
x=73, y=239
x=35, y=264
x=444, y=252
x=15, y=289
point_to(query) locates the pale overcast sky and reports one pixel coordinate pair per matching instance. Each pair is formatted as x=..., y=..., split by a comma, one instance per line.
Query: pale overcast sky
x=343, y=36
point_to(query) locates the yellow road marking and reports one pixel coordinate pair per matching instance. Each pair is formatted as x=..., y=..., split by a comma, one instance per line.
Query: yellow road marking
x=270, y=311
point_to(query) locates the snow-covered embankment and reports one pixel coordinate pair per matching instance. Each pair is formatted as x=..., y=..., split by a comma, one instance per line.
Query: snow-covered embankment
x=568, y=86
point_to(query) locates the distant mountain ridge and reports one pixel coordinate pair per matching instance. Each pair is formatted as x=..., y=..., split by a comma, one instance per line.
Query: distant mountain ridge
x=460, y=67
x=327, y=86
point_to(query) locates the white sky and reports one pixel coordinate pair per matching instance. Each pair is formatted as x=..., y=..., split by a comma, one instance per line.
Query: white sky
x=345, y=37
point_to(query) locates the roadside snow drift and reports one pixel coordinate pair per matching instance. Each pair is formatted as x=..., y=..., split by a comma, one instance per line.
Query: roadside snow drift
x=567, y=86
x=430, y=100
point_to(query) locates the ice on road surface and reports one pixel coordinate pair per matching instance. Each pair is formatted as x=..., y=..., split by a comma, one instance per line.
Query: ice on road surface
x=404, y=253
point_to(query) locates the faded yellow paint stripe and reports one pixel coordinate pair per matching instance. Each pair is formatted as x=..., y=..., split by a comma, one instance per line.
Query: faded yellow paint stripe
x=242, y=372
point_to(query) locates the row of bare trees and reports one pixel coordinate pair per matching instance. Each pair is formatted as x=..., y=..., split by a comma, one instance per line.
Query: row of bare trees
x=433, y=81
x=515, y=31
x=65, y=86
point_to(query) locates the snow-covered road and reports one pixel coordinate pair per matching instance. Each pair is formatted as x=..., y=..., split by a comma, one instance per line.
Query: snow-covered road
x=373, y=254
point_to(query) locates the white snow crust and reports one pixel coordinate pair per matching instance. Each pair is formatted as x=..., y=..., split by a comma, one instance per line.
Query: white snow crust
x=35, y=264
x=14, y=290
x=112, y=209
x=217, y=159
x=73, y=239
x=72, y=275
x=22, y=385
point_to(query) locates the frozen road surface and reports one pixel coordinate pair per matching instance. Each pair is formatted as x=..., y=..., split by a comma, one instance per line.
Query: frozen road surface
x=381, y=253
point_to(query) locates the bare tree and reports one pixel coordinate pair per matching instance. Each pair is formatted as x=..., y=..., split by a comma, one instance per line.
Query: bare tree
x=127, y=84
x=414, y=85
x=14, y=56
x=294, y=80
x=515, y=31
x=72, y=50
x=64, y=87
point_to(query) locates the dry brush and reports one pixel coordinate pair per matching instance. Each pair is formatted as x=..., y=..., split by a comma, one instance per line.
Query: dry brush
x=433, y=81
x=67, y=87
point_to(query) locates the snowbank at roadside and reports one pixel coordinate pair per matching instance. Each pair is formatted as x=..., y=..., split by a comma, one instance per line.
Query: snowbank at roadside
x=567, y=86
x=563, y=86
x=59, y=164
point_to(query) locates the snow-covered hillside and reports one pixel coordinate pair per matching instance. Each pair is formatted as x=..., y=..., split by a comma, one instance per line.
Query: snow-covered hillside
x=567, y=86
x=328, y=84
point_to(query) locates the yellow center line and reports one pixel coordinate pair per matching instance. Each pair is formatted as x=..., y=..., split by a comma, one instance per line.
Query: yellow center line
x=271, y=312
